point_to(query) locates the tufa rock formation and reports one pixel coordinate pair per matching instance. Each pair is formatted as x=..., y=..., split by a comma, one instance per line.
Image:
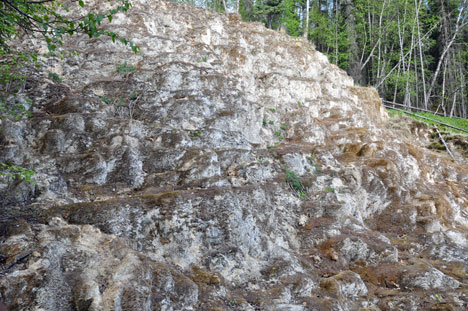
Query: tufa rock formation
x=226, y=167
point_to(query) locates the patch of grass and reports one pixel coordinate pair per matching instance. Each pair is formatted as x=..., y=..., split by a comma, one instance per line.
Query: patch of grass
x=265, y=122
x=125, y=68
x=284, y=127
x=195, y=134
x=271, y=122
x=107, y=100
x=277, y=133
x=276, y=145
x=273, y=110
x=458, y=122
x=120, y=103
x=299, y=103
x=55, y=77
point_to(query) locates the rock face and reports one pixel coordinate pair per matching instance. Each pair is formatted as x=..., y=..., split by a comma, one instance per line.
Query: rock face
x=226, y=167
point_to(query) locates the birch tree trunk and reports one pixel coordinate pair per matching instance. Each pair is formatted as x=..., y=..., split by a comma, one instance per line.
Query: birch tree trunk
x=460, y=23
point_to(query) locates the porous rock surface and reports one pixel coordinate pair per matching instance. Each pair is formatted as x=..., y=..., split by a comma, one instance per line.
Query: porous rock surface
x=226, y=167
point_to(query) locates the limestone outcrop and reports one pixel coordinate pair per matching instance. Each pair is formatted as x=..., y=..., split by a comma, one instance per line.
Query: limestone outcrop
x=225, y=167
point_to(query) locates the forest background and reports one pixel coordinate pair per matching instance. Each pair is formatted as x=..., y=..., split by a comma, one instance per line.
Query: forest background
x=415, y=52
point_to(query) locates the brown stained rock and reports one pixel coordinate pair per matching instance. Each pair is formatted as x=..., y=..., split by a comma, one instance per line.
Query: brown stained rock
x=422, y=275
x=370, y=100
x=200, y=276
x=441, y=307
x=386, y=275
x=346, y=284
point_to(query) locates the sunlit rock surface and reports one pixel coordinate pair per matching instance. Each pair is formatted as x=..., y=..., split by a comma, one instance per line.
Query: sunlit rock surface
x=226, y=167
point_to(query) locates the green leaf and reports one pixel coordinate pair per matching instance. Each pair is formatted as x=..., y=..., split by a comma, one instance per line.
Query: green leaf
x=81, y=3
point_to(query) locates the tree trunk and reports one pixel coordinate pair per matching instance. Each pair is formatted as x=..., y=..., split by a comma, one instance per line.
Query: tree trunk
x=354, y=69
x=421, y=60
x=306, y=29
x=460, y=23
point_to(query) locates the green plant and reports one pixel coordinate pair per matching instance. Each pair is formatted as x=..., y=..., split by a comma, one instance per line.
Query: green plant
x=276, y=145
x=196, y=134
x=14, y=111
x=55, y=77
x=273, y=110
x=264, y=122
x=329, y=189
x=125, y=68
x=204, y=58
x=277, y=133
x=133, y=96
x=271, y=122
x=12, y=172
x=107, y=100
x=299, y=103
x=12, y=175
x=294, y=181
x=120, y=103
x=284, y=127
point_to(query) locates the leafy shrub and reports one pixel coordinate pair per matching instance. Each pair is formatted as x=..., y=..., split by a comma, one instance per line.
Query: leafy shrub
x=13, y=111
x=13, y=172
x=294, y=181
